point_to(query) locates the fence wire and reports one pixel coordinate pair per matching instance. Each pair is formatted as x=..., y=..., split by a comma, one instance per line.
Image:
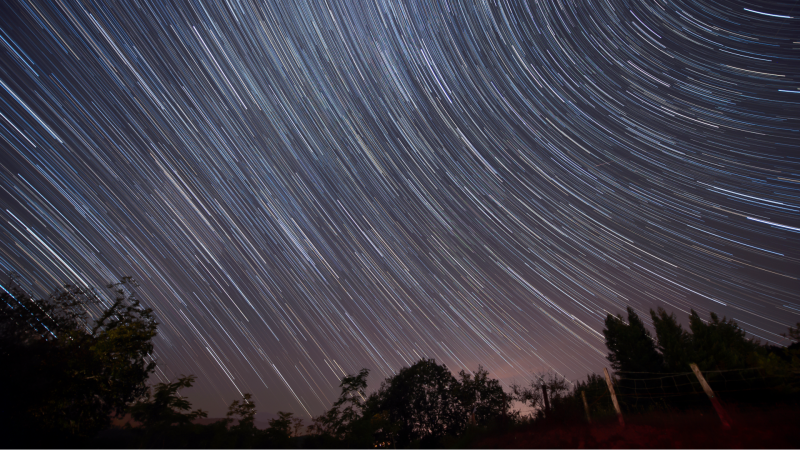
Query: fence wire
x=671, y=393
x=648, y=390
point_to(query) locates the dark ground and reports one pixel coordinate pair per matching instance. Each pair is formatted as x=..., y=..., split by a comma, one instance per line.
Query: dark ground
x=777, y=427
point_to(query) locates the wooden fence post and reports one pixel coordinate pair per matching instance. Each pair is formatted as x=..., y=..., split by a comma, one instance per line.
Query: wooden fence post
x=723, y=416
x=586, y=407
x=614, y=398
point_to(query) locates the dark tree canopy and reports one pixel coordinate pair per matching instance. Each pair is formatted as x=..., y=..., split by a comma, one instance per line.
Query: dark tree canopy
x=674, y=343
x=280, y=430
x=481, y=395
x=166, y=407
x=243, y=412
x=716, y=344
x=532, y=395
x=423, y=401
x=348, y=417
x=631, y=348
x=419, y=405
x=720, y=344
x=77, y=358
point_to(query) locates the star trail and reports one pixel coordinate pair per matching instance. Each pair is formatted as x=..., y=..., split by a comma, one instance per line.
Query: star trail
x=303, y=188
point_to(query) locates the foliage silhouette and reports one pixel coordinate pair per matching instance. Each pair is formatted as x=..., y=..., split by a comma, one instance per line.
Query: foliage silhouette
x=339, y=421
x=244, y=412
x=716, y=346
x=77, y=359
x=423, y=401
x=166, y=407
x=481, y=396
x=630, y=345
x=532, y=395
x=673, y=342
x=720, y=344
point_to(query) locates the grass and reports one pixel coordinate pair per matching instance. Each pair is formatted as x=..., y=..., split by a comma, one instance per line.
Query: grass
x=775, y=427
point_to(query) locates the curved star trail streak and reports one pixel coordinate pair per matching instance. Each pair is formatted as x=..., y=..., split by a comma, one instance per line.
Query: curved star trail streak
x=305, y=188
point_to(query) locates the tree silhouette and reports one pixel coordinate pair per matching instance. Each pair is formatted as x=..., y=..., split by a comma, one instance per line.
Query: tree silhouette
x=422, y=400
x=630, y=345
x=166, y=407
x=481, y=396
x=720, y=344
x=347, y=411
x=531, y=395
x=674, y=343
x=244, y=412
x=74, y=359
x=280, y=430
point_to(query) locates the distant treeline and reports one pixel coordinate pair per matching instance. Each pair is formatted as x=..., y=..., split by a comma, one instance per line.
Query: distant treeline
x=67, y=375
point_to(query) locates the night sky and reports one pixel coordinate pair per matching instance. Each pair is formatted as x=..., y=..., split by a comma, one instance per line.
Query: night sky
x=303, y=188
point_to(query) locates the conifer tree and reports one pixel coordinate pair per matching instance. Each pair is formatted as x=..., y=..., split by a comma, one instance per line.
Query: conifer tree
x=720, y=344
x=631, y=348
x=674, y=343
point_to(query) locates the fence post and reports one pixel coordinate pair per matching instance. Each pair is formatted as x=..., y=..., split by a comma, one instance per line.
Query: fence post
x=614, y=398
x=586, y=407
x=723, y=416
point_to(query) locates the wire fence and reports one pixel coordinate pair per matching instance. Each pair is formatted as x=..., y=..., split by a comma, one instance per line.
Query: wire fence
x=641, y=392
x=653, y=391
